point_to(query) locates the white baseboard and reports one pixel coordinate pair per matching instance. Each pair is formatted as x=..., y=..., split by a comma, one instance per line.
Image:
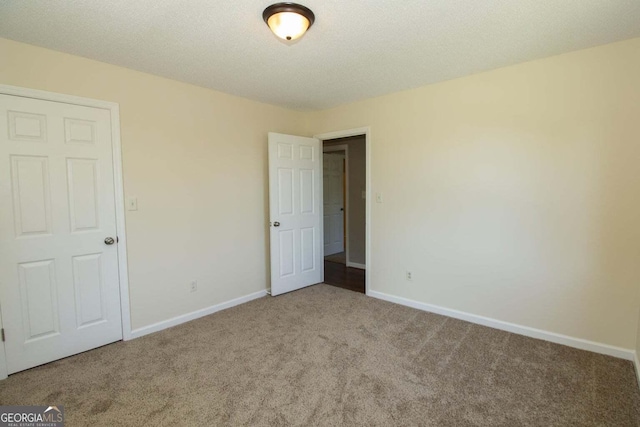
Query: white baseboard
x=619, y=352
x=356, y=265
x=145, y=330
x=636, y=364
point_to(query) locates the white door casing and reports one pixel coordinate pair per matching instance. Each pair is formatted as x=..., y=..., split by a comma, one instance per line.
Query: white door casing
x=333, y=200
x=59, y=281
x=295, y=212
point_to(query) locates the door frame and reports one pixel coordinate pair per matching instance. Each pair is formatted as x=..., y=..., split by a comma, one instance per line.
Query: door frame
x=123, y=275
x=366, y=131
x=330, y=149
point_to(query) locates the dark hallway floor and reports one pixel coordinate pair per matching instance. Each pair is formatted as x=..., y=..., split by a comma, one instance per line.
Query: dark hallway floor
x=344, y=277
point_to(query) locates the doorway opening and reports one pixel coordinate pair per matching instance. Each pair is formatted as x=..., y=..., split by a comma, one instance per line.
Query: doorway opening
x=344, y=211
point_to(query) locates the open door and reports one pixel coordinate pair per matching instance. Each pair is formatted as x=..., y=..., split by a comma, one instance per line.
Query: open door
x=295, y=212
x=333, y=191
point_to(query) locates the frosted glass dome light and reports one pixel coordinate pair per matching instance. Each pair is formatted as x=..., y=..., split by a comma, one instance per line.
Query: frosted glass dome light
x=288, y=21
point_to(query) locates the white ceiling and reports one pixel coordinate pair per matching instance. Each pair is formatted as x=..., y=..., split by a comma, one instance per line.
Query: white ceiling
x=355, y=49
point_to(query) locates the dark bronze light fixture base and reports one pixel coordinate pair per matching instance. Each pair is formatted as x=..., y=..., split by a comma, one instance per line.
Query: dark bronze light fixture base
x=274, y=11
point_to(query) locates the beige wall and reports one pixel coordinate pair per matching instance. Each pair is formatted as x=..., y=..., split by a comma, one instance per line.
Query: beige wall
x=357, y=205
x=196, y=159
x=513, y=194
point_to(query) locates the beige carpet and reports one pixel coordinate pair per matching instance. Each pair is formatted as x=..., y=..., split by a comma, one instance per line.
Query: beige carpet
x=327, y=356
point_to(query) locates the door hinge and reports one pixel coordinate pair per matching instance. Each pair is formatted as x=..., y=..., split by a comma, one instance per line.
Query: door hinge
x=2, y=334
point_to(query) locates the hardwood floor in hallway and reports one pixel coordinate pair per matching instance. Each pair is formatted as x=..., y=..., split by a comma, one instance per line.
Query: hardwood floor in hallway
x=337, y=274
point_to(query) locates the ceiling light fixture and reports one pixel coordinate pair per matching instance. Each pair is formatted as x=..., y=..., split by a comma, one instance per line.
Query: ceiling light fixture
x=288, y=21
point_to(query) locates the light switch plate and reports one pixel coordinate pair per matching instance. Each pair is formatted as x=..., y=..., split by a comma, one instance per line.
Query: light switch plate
x=378, y=197
x=132, y=204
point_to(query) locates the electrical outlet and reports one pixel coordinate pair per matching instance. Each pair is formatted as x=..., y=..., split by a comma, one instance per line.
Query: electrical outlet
x=194, y=286
x=409, y=275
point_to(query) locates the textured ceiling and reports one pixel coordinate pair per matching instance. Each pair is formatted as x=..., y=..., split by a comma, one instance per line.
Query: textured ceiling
x=355, y=50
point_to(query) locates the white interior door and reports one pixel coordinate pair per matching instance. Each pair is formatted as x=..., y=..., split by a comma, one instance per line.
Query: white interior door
x=59, y=286
x=294, y=207
x=333, y=197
